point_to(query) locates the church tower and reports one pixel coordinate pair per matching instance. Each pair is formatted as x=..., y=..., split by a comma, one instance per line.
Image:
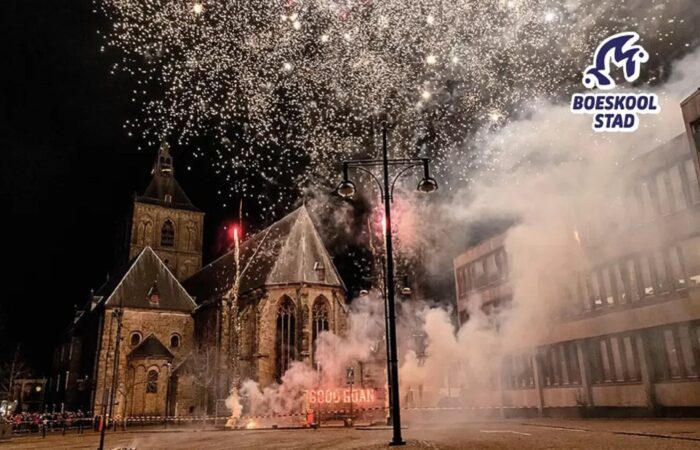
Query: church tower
x=165, y=219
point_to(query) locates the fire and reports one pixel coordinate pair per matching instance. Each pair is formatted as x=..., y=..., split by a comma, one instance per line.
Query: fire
x=251, y=425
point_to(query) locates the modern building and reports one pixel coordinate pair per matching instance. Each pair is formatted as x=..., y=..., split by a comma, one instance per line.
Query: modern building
x=146, y=345
x=626, y=335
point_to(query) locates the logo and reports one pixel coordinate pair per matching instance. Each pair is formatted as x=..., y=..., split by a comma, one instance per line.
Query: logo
x=615, y=112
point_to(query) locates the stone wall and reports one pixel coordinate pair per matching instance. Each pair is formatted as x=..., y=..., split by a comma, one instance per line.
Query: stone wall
x=131, y=372
x=185, y=257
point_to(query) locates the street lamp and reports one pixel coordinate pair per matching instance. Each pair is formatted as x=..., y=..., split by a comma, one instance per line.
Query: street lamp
x=346, y=189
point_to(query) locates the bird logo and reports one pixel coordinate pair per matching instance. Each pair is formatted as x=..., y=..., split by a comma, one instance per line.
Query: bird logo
x=618, y=50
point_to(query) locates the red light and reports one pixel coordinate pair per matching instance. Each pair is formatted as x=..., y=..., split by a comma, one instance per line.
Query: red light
x=233, y=232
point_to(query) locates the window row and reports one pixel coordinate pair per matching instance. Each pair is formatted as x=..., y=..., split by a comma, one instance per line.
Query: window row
x=614, y=359
x=518, y=372
x=675, y=351
x=482, y=272
x=638, y=277
x=667, y=191
x=135, y=339
x=144, y=234
x=560, y=365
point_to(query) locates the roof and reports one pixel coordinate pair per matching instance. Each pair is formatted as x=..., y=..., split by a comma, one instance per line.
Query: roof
x=151, y=347
x=164, y=190
x=147, y=275
x=290, y=251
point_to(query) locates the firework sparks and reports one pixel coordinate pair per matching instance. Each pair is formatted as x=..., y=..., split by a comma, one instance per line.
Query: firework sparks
x=300, y=84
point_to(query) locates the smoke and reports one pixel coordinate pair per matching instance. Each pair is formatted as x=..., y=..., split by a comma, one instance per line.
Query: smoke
x=559, y=182
x=333, y=355
x=553, y=179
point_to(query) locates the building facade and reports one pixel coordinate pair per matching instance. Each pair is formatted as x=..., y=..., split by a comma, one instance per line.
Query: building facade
x=625, y=337
x=146, y=344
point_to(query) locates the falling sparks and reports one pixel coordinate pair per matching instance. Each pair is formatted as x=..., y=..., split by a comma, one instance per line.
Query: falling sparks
x=287, y=89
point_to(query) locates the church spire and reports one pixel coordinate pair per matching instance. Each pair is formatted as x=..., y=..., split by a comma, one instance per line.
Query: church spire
x=164, y=162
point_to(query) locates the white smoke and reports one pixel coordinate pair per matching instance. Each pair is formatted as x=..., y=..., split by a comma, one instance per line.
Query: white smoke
x=551, y=172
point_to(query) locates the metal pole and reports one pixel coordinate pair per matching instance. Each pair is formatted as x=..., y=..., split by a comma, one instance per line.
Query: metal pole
x=391, y=319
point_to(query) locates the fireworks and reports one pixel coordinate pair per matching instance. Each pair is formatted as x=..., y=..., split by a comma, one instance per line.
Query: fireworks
x=298, y=85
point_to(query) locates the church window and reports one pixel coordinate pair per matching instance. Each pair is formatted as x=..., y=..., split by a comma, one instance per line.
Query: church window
x=152, y=382
x=285, y=337
x=320, y=321
x=175, y=340
x=192, y=237
x=168, y=198
x=167, y=234
x=135, y=338
x=144, y=233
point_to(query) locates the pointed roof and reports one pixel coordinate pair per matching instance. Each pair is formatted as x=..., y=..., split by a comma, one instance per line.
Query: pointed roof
x=290, y=251
x=151, y=347
x=146, y=274
x=164, y=190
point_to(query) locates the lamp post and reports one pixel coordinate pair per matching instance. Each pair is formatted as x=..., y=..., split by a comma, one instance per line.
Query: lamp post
x=346, y=189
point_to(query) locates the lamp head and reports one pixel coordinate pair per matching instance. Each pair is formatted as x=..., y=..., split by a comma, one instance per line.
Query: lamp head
x=427, y=185
x=346, y=189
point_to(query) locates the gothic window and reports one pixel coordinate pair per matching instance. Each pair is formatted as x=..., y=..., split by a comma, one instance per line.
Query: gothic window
x=320, y=315
x=167, y=234
x=152, y=382
x=285, y=337
x=144, y=232
x=135, y=338
x=175, y=340
x=192, y=237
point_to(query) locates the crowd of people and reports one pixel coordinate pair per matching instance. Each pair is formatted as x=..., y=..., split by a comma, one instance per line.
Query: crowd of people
x=49, y=422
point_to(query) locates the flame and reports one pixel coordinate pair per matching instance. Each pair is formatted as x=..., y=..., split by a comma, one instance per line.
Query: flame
x=251, y=425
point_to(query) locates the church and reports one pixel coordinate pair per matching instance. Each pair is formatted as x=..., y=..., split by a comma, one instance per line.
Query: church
x=166, y=336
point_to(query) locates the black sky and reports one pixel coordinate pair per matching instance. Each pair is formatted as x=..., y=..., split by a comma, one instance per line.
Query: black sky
x=68, y=171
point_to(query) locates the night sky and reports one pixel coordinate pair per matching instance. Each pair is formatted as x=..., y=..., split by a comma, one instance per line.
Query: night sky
x=69, y=171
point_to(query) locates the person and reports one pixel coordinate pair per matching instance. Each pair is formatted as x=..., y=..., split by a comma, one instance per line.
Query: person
x=44, y=424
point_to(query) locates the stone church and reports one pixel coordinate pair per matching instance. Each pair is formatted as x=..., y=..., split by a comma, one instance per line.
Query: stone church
x=164, y=336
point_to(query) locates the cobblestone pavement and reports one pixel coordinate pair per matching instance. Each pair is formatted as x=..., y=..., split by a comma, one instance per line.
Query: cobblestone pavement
x=493, y=434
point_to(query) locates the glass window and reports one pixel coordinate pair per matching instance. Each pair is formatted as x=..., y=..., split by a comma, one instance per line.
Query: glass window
x=647, y=202
x=574, y=370
x=174, y=341
x=677, y=274
x=605, y=358
x=672, y=353
x=583, y=295
x=661, y=273
x=617, y=359
x=594, y=290
x=633, y=208
x=662, y=194
x=564, y=370
x=631, y=359
x=647, y=281
x=632, y=279
x=677, y=188
x=152, y=382
x=619, y=283
x=167, y=234
x=689, y=363
x=479, y=277
x=135, y=339
x=691, y=254
x=492, y=268
x=608, y=292
x=692, y=176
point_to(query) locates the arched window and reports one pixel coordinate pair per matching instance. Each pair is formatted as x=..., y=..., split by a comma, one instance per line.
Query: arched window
x=320, y=321
x=175, y=340
x=144, y=232
x=285, y=337
x=152, y=382
x=135, y=338
x=192, y=237
x=167, y=234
